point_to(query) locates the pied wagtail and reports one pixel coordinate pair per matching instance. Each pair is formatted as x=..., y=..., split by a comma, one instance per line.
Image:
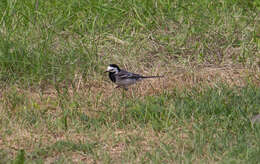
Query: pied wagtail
x=123, y=78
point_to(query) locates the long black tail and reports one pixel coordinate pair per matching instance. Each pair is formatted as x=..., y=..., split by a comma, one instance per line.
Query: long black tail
x=146, y=77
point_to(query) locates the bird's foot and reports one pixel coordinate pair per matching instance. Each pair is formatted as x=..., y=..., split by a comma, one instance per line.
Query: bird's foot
x=121, y=87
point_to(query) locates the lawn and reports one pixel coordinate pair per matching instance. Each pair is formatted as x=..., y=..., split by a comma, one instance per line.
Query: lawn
x=58, y=106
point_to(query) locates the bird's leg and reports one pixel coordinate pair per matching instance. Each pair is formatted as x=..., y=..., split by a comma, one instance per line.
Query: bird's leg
x=122, y=87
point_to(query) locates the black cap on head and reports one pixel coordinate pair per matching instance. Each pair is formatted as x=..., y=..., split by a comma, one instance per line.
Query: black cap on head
x=114, y=65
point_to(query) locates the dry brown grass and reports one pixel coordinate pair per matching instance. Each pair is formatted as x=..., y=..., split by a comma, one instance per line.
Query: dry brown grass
x=99, y=91
x=180, y=77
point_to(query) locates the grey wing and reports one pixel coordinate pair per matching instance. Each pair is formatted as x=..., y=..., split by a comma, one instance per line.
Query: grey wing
x=128, y=75
x=125, y=78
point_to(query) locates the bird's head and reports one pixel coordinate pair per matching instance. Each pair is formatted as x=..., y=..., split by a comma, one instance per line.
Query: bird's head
x=113, y=68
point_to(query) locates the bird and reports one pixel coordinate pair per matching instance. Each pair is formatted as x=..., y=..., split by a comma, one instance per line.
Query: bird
x=123, y=78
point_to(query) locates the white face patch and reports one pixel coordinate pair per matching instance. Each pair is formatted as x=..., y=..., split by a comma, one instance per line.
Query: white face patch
x=112, y=69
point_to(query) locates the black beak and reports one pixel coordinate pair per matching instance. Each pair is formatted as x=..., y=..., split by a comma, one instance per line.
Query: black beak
x=106, y=71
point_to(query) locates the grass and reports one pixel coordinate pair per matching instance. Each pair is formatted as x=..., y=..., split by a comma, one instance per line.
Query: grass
x=212, y=125
x=57, y=105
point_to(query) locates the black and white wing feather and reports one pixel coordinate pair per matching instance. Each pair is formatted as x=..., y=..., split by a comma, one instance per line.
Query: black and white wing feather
x=128, y=75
